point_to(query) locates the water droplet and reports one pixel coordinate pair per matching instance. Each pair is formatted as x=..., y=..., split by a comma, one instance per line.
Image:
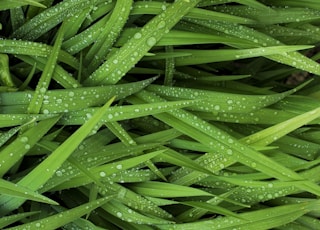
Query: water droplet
x=151, y=41
x=119, y=214
x=102, y=174
x=161, y=24
x=119, y=166
x=137, y=35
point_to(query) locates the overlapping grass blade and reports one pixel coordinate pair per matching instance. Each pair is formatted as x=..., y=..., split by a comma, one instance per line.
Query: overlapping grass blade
x=271, y=134
x=62, y=218
x=15, y=190
x=6, y=221
x=111, y=31
x=45, y=78
x=129, y=54
x=15, y=151
x=10, y=4
x=36, y=178
x=57, y=101
x=49, y=18
x=262, y=219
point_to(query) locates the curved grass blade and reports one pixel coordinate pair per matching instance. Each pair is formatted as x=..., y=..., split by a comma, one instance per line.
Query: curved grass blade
x=62, y=218
x=111, y=71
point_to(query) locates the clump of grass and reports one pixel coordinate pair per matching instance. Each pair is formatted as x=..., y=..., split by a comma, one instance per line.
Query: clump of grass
x=159, y=115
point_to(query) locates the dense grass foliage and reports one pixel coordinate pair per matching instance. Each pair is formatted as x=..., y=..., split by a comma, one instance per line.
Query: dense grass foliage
x=182, y=114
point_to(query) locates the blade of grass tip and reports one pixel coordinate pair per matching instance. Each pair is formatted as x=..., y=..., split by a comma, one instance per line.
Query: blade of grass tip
x=271, y=134
x=117, y=65
x=7, y=220
x=44, y=171
x=15, y=190
x=6, y=5
x=44, y=81
x=62, y=218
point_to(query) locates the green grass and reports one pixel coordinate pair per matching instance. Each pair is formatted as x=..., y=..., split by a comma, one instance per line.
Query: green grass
x=186, y=114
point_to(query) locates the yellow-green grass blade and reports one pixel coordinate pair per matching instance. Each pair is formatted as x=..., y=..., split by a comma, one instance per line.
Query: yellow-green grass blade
x=44, y=171
x=266, y=218
x=60, y=75
x=11, y=4
x=273, y=133
x=165, y=190
x=136, y=201
x=273, y=15
x=64, y=100
x=82, y=40
x=180, y=37
x=45, y=78
x=13, y=152
x=107, y=170
x=222, y=142
x=49, y=18
x=199, y=13
x=251, y=3
x=220, y=102
x=119, y=113
x=7, y=220
x=62, y=218
x=121, y=211
x=129, y=54
x=10, y=46
x=313, y=4
x=210, y=208
x=97, y=156
x=106, y=39
x=9, y=120
x=10, y=189
x=293, y=59
x=5, y=76
x=208, y=56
